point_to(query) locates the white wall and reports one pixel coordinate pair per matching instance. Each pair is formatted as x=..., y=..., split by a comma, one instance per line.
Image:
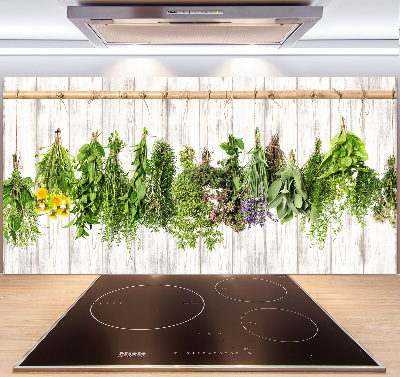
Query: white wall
x=200, y=66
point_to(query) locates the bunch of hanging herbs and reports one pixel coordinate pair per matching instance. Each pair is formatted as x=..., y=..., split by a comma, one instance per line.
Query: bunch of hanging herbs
x=254, y=198
x=192, y=219
x=20, y=220
x=56, y=180
x=160, y=207
x=323, y=193
x=114, y=212
x=89, y=188
x=385, y=209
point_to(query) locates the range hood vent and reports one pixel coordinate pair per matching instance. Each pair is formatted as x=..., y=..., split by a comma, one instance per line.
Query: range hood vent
x=113, y=26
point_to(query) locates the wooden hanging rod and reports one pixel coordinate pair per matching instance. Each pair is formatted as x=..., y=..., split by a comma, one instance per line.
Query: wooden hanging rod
x=204, y=94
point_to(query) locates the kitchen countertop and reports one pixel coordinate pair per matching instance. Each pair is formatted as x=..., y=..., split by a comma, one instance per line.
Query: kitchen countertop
x=368, y=306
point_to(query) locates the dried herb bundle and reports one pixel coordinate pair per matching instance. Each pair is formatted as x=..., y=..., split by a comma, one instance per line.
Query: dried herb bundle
x=89, y=188
x=20, y=223
x=275, y=157
x=160, y=207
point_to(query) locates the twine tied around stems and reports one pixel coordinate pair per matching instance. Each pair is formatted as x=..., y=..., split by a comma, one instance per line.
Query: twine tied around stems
x=16, y=162
x=94, y=136
x=58, y=136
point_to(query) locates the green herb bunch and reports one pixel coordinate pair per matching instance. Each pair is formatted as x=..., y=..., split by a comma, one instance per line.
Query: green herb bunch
x=55, y=171
x=385, y=209
x=89, y=188
x=114, y=214
x=288, y=193
x=20, y=223
x=192, y=218
x=324, y=196
x=255, y=179
x=365, y=194
x=232, y=169
x=160, y=207
x=134, y=199
x=346, y=156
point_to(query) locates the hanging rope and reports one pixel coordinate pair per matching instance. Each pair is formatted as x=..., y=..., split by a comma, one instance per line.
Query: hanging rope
x=339, y=98
x=15, y=156
x=164, y=96
x=185, y=117
x=313, y=96
x=255, y=103
x=142, y=95
x=208, y=111
x=16, y=121
x=393, y=107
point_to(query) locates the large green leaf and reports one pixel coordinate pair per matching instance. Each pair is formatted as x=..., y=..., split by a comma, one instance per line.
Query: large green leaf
x=274, y=189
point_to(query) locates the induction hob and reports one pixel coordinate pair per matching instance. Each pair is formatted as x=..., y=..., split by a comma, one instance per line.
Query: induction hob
x=197, y=322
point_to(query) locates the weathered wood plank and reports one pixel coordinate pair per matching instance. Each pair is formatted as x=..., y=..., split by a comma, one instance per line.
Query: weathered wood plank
x=283, y=248
x=250, y=254
x=119, y=115
x=152, y=256
x=183, y=128
x=218, y=122
x=313, y=121
x=348, y=247
x=20, y=260
x=380, y=244
x=84, y=118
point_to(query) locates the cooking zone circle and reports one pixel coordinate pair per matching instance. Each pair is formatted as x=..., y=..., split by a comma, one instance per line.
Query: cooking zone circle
x=251, y=290
x=147, y=307
x=279, y=325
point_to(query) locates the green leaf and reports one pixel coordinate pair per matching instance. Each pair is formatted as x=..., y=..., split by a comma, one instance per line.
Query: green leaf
x=92, y=196
x=141, y=192
x=288, y=217
x=240, y=144
x=69, y=224
x=298, y=200
x=7, y=201
x=281, y=209
x=274, y=189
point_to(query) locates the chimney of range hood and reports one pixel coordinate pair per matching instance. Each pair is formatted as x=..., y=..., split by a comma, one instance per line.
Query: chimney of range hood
x=116, y=26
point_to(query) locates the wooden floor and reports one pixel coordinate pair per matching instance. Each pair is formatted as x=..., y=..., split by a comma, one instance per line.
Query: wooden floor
x=367, y=306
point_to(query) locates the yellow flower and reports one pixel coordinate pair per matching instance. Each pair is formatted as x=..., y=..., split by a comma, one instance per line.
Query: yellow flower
x=56, y=201
x=60, y=210
x=67, y=200
x=64, y=214
x=46, y=209
x=37, y=209
x=53, y=215
x=40, y=203
x=67, y=208
x=42, y=193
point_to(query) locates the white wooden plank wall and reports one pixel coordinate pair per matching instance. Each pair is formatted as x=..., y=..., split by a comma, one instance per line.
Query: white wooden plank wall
x=276, y=248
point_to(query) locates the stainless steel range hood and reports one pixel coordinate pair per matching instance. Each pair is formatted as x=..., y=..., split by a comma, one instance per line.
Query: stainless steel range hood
x=113, y=26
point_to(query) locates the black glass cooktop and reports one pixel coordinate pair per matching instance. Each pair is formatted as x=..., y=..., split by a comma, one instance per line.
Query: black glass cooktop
x=197, y=322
